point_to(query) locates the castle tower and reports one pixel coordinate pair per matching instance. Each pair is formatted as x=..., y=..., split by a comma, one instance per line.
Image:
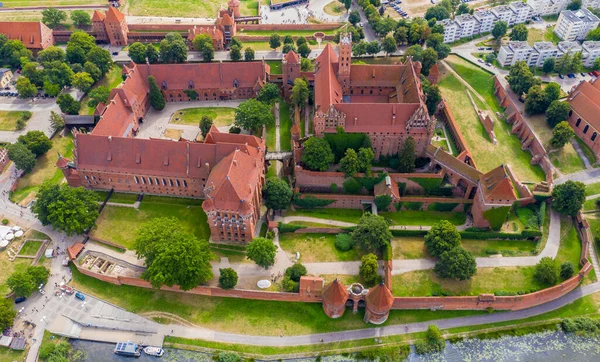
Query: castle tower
x=116, y=26
x=345, y=60
x=379, y=301
x=291, y=71
x=234, y=8
x=334, y=297
x=98, y=27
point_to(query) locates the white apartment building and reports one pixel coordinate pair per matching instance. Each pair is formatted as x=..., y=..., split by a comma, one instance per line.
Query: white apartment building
x=504, y=13
x=514, y=52
x=468, y=25
x=594, y=4
x=486, y=20
x=542, y=50
x=451, y=30
x=547, y=7
x=591, y=52
x=574, y=25
x=521, y=12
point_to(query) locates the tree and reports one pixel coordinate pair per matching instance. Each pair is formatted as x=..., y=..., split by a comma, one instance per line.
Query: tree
x=274, y=41
x=369, y=267
x=51, y=54
x=56, y=121
x=304, y=50
x=415, y=51
x=547, y=271
x=69, y=209
x=82, y=81
x=157, y=100
x=53, y=17
x=262, y=251
x=317, y=155
x=564, y=63
x=235, y=53
x=7, y=313
x=269, y=93
x=137, y=52
x=93, y=70
x=593, y=35
x=78, y=47
x=299, y=95
x=152, y=54
x=432, y=95
x=23, y=158
x=208, y=53
x=80, y=18
x=101, y=58
x=205, y=124
x=277, y=194
x=577, y=63
x=373, y=47
x=365, y=159
x=21, y=284
x=389, y=45
x=407, y=156
x=456, y=263
x=429, y=58
x=36, y=141
x=98, y=95
x=228, y=278
x=172, y=49
x=306, y=65
x=25, y=88
x=13, y=51
x=574, y=5
x=236, y=42
x=499, y=30
x=248, y=54
x=519, y=33
x=442, y=237
x=229, y=357
x=289, y=47
x=201, y=41
x=401, y=35
x=372, y=232
x=383, y=202
x=520, y=78
x=253, y=115
x=437, y=12
x=490, y=57
x=51, y=89
x=567, y=198
x=548, y=66
x=557, y=112
x=349, y=164
x=68, y=104
x=354, y=17
x=347, y=4
x=464, y=9
x=561, y=134
x=536, y=101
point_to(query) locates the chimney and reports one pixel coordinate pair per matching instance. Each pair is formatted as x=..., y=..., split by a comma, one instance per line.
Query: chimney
x=235, y=162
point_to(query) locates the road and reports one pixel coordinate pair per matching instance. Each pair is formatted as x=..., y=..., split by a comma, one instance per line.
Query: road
x=40, y=120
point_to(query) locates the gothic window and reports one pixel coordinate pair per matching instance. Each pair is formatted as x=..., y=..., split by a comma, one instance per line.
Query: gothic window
x=570, y=113
x=134, y=179
x=578, y=122
x=585, y=129
x=594, y=136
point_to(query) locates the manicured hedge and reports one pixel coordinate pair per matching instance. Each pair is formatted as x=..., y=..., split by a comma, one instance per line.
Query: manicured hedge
x=310, y=202
x=387, y=252
x=341, y=141
x=288, y=228
x=413, y=205
x=485, y=235
x=401, y=233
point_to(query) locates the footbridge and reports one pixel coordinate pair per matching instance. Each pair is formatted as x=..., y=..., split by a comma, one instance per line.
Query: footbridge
x=279, y=156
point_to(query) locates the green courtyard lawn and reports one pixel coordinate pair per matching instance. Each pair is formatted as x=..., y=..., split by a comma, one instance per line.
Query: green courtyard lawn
x=8, y=267
x=234, y=256
x=8, y=120
x=285, y=126
x=120, y=225
x=275, y=66
x=423, y=218
x=414, y=247
x=264, y=45
x=587, y=151
x=221, y=116
x=317, y=248
x=244, y=316
x=345, y=215
x=536, y=35
x=30, y=248
x=45, y=169
x=508, y=149
x=379, y=60
x=186, y=8
x=570, y=244
x=334, y=8
x=118, y=197
x=110, y=80
x=590, y=205
x=592, y=189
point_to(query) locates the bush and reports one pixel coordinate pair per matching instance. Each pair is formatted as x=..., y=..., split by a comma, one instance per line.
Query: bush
x=582, y=325
x=416, y=206
x=296, y=271
x=4, y=221
x=26, y=115
x=228, y=278
x=341, y=141
x=428, y=184
x=229, y=357
x=287, y=228
x=310, y=202
x=334, y=187
x=442, y=237
x=369, y=268
x=352, y=186
x=344, y=242
x=407, y=233
x=567, y=270
x=443, y=207
x=383, y=202
x=433, y=343
x=235, y=130
x=547, y=271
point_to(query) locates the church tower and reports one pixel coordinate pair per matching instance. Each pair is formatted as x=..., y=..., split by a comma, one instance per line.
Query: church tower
x=345, y=61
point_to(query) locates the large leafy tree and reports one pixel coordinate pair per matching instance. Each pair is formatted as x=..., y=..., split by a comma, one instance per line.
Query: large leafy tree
x=551, y=93
x=429, y=58
x=499, y=30
x=568, y=198
x=253, y=115
x=228, y=278
x=547, y=271
x=369, y=267
x=59, y=73
x=52, y=17
x=23, y=283
x=51, y=54
x=456, y=263
x=407, y=156
x=235, y=53
x=56, y=121
x=519, y=33
x=275, y=41
x=557, y=112
x=12, y=51
x=300, y=93
x=262, y=251
x=249, y=54
x=25, y=88
x=372, y=232
x=33, y=73
x=36, y=141
x=442, y=237
x=7, y=313
x=23, y=158
x=208, y=53
x=81, y=18
x=354, y=17
x=79, y=46
x=277, y=194
x=157, y=100
x=438, y=12
x=521, y=79
x=137, y=52
x=549, y=64
x=317, y=154
x=173, y=49
x=200, y=41
x=432, y=95
x=365, y=159
x=98, y=95
x=101, y=58
x=291, y=277
x=574, y=5
x=72, y=210
x=83, y=81
x=389, y=45
x=536, y=101
x=561, y=134
x=349, y=164
x=152, y=55
x=205, y=124
x=68, y=104
x=269, y=93
x=93, y=70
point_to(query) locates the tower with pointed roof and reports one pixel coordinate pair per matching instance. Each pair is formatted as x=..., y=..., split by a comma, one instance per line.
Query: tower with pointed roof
x=291, y=71
x=334, y=297
x=379, y=301
x=116, y=26
x=98, y=27
x=234, y=8
x=345, y=60
x=495, y=190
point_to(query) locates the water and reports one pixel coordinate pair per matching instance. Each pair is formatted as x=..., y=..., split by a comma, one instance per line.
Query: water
x=548, y=346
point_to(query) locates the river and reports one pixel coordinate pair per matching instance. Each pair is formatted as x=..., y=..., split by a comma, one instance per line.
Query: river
x=548, y=346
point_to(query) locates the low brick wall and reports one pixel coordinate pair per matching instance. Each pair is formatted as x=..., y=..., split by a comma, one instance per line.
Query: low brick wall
x=288, y=27
x=262, y=38
x=106, y=242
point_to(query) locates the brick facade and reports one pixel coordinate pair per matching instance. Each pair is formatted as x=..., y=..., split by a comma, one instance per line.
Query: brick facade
x=583, y=116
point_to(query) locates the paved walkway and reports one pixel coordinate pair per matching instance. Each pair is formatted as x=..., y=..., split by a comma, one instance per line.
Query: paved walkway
x=581, y=154
x=586, y=176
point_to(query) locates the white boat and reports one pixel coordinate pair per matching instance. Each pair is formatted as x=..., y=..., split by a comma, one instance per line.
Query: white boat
x=154, y=351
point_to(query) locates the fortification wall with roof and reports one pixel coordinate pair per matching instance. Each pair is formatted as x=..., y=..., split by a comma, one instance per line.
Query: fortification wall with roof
x=289, y=27
x=344, y=201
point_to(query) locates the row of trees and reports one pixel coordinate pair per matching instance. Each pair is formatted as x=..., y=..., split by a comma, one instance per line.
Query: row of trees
x=172, y=49
x=28, y=147
x=447, y=9
x=54, y=17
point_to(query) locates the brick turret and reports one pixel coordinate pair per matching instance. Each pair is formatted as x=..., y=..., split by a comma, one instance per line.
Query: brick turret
x=379, y=301
x=334, y=296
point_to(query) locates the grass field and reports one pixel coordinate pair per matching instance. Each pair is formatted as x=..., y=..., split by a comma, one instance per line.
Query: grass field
x=592, y=189
x=121, y=224
x=414, y=247
x=508, y=149
x=317, y=248
x=221, y=116
x=110, y=80
x=587, y=151
x=8, y=267
x=346, y=215
x=8, y=120
x=30, y=248
x=45, y=169
x=186, y=8
x=275, y=66
x=242, y=315
x=589, y=205
x=285, y=125
x=547, y=34
x=121, y=198
x=570, y=245
x=334, y=8
x=424, y=218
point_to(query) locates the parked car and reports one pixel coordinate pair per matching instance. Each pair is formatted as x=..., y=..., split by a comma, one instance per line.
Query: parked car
x=20, y=300
x=583, y=74
x=482, y=48
x=571, y=75
x=79, y=296
x=488, y=48
x=488, y=64
x=561, y=76
x=115, y=53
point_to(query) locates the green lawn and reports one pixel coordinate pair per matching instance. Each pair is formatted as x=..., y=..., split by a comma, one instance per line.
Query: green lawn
x=110, y=80
x=221, y=116
x=30, y=248
x=589, y=205
x=334, y=8
x=317, y=248
x=284, y=33
x=245, y=316
x=592, y=189
x=45, y=169
x=121, y=198
x=8, y=267
x=285, y=125
x=121, y=224
x=275, y=66
x=570, y=245
x=8, y=120
x=345, y=215
x=414, y=247
x=424, y=218
x=508, y=149
x=186, y=8
x=587, y=151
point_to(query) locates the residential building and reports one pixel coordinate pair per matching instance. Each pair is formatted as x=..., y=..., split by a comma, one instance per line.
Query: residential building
x=522, y=12
x=514, y=52
x=468, y=25
x=5, y=77
x=542, y=50
x=33, y=34
x=452, y=30
x=583, y=116
x=486, y=20
x=547, y=7
x=591, y=52
x=594, y=4
x=504, y=13
x=574, y=25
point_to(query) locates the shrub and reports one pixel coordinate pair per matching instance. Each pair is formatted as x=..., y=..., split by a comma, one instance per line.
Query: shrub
x=547, y=271
x=228, y=278
x=583, y=325
x=352, y=186
x=334, y=187
x=434, y=342
x=287, y=228
x=369, y=268
x=443, y=207
x=567, y=270
x=235, y=130
x=457, y=263
x=4, y=221
x=344, y=242
x=310, y=202
x=383, y=202
x=406, y=233
x=442, y=237
x=416, y=206
x=229, y=357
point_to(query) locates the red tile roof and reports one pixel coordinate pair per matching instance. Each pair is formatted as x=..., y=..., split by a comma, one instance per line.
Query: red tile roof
x=292, y=57
x=375, y=75
x=379, y=299
x=98, y=16
x=30, y=33
x=496, y=185
x=74, y=250
x=327, y=87
x=335, y=294
x=585, y=101
x=113, y=15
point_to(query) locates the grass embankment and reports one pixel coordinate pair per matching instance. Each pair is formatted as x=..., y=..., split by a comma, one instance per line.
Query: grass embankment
x=317, y=248
x=45, y=169
x=186, y=8
x=221, y=116
x=110, y=80
x=508, y=149
x=117, y=197
x=8, y=267
x=120, y=225
x=414, y=247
